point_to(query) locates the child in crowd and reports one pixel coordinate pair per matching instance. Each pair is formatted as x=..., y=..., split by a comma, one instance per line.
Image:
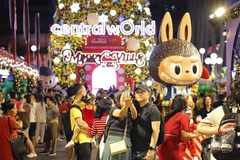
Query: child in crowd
x=88, y=116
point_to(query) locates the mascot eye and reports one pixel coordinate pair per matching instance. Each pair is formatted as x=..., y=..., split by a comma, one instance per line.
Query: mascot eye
x=195, y=68
x=50, y=81
x=176, y=69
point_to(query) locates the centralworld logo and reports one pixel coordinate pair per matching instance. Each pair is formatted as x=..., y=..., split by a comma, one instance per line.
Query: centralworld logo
x=127, y=28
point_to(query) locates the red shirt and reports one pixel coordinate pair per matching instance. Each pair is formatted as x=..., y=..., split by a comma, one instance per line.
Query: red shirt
x=88, y=115
x=64, y=107
x=180, y=121
x=17, y=103
x=5, y=148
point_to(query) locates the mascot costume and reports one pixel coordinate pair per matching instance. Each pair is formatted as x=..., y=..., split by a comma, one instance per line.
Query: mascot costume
x=176, y=63
x=47, y=77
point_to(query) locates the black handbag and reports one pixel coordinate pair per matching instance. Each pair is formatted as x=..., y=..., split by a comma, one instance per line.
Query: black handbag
x=17, y=145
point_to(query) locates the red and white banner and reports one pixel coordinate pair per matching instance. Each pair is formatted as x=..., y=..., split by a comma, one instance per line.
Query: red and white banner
x=99, y=43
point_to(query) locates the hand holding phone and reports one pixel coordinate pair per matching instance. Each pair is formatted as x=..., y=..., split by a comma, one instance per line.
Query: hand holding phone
x=127, y=92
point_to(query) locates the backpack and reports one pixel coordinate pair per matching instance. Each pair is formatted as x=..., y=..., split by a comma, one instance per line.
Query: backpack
x=227, y=145
x=145, y=127
x=67, y=125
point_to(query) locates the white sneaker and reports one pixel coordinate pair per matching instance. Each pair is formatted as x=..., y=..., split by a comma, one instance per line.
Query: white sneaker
x=32, y=155
x=52, y=154
x=70, y=144
x=59, y=139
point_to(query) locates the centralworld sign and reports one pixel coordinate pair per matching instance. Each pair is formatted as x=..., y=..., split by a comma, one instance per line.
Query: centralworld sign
x=127, y=28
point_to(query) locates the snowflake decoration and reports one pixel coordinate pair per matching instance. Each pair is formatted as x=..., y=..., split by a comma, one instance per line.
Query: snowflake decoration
x=75, y=7
x=103, y=18
x=67, y=46
x=54, y=15
x=139, y=7
x=148, y=2
x=121, y=18
x=88, y=4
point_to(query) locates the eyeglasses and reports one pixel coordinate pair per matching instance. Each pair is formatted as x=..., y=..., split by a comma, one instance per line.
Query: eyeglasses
x=140, y=92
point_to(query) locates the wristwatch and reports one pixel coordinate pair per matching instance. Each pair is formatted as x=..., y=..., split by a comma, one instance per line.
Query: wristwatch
x=151, y=148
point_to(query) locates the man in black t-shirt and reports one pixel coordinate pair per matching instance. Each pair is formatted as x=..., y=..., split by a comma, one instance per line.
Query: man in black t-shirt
x=146, y=126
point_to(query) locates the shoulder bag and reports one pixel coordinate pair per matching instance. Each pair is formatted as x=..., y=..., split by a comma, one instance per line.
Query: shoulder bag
x=17, y=145
x=120, y=146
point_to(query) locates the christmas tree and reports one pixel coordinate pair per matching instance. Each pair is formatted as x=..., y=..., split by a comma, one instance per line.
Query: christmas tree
x=99, y=12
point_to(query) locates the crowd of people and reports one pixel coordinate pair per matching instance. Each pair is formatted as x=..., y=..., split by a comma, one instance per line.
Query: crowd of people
x=107, y=118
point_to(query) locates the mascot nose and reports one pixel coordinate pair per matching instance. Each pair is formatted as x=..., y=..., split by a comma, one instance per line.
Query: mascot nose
x=187, y=71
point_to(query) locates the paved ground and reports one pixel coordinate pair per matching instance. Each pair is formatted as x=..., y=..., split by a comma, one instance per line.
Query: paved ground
x=61, y=152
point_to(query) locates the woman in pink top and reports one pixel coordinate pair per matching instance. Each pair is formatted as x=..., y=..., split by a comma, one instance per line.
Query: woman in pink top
x=101, y=116
x=176, y=126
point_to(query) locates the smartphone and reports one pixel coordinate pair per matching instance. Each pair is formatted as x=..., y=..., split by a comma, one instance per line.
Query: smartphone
x=127, y=91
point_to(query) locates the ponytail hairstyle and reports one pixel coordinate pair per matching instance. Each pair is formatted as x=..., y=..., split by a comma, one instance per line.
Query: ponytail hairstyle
x=179, y=104
x=7, y=105
x=103, y=106
x=41, y=99
x=89, y=97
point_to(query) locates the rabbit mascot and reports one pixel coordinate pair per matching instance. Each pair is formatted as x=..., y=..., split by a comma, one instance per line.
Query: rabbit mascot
x=175, y=62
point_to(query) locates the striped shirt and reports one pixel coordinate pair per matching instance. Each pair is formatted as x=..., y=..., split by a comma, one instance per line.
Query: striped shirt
x=98, y=126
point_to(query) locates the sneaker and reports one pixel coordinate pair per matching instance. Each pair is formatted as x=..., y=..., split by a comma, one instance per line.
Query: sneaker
x=70, y=144
x=44, y=153
x=59, y=139
x=52, y=154
x=32, y=155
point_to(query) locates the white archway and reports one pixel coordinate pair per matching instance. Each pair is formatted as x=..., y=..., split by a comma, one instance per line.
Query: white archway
x=103, y=77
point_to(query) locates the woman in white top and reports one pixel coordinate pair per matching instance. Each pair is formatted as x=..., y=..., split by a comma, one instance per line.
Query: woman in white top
x=41, y=117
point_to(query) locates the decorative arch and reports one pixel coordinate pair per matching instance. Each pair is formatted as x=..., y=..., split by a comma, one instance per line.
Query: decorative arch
x=103, y=77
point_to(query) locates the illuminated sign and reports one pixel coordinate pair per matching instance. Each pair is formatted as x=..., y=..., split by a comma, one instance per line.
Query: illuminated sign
x=105, y=58
x=126, y=28
x=99, y=43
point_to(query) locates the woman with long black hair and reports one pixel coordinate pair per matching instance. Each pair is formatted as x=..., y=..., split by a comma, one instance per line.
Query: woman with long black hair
x=176, y=126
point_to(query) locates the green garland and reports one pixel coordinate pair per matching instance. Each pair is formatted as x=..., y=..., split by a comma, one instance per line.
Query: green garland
x=39, y=87
x=238, y=69
x=233, y=13
x=30, y=85
x=17, y=82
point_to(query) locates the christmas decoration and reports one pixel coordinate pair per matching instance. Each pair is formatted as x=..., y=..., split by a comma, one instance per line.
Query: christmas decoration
x=47, y=77
x=233, y=13
x=102, y=13
x=238, y=70
x=30, y=85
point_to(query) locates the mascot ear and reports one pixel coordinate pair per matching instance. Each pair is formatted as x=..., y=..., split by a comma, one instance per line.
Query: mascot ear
x=185, y=22
x=166, y=22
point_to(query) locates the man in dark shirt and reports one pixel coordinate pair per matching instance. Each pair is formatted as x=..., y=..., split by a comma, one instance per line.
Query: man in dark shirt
x=220, y=101
x=146, y=126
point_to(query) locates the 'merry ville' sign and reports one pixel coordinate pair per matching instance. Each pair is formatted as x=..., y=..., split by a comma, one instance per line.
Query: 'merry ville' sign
x=105, y=58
